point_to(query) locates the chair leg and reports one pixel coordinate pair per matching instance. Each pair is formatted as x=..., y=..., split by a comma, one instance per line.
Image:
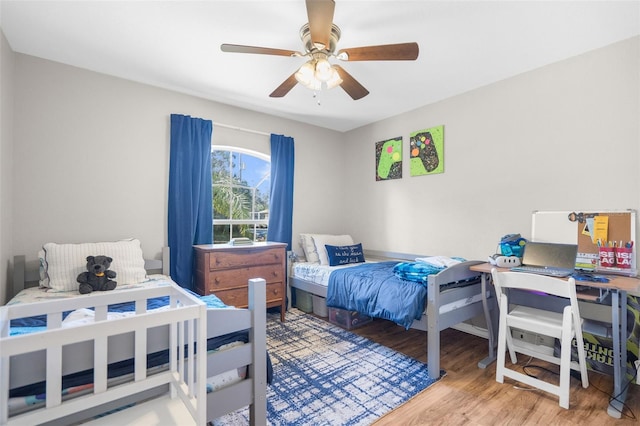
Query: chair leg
x=506, y=336
x=582, y=357
x=510, y=346
x=500, y=358
x=565, y=360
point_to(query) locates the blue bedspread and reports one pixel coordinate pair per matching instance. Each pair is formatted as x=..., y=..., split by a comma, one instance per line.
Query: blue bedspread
x=374, y=289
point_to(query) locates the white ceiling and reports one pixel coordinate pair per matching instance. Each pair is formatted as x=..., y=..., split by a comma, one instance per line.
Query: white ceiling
x=176, y=45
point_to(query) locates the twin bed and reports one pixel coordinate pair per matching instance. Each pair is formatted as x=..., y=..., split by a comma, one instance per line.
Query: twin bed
x=68, y=357
x=336, y=269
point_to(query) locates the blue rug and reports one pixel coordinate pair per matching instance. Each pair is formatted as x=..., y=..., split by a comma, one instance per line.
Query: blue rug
x=324, y=375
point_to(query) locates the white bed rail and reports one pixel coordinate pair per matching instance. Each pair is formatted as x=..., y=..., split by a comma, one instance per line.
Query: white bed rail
x=185, y=316
x=251, y=391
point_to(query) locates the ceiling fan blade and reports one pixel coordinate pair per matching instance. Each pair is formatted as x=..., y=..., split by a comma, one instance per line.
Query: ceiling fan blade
x=320, y=15
x=238, y=48
x=285, y=87
x=386, y=52
x=351, y=85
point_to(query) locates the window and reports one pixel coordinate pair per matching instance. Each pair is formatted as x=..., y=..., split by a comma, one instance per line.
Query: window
x=241, y=184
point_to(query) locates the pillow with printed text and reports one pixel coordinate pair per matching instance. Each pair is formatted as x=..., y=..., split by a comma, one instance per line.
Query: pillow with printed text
x=343, y=255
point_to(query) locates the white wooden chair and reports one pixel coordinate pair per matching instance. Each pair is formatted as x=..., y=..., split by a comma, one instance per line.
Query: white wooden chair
x=563, y=326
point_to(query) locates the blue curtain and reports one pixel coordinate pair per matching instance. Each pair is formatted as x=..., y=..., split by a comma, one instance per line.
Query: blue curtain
x=281, y=197
x=190, y=193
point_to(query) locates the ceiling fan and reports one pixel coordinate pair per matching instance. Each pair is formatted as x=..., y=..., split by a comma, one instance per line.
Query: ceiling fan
x=320, y=37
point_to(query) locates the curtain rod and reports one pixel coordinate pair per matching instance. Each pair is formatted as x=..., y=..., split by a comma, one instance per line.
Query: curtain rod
x=257, y=132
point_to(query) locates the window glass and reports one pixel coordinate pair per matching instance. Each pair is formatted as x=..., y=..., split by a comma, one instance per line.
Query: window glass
x=241, y=184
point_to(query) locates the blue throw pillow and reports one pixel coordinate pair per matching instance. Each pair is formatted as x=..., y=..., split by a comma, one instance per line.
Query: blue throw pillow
x=342, y=255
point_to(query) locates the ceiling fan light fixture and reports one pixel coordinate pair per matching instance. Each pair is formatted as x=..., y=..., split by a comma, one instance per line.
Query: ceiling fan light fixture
x=314, y=73
x=334, y=80
x=305, y=74
x=314, y=85
x=323, y=70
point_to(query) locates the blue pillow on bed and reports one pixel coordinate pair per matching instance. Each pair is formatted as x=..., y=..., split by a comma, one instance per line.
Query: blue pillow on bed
x=343, y=255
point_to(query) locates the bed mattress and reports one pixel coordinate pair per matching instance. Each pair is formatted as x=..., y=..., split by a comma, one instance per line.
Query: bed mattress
x=37, y=294
x=316, y=273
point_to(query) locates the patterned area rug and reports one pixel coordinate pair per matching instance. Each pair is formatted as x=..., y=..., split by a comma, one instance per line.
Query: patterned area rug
x=324, y=375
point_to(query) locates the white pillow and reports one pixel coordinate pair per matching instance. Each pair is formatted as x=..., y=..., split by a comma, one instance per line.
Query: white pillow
x=64, y=262
x=309, y=248
x=333, y=240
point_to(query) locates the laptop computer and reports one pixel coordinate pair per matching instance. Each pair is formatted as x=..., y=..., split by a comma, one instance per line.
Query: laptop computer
x=556, y=260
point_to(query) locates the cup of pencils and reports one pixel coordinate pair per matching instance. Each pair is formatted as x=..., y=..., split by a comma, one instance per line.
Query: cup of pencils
x=624, y=254
x=606, y=254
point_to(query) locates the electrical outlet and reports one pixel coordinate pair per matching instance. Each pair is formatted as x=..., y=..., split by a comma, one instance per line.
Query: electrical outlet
x=524, y=336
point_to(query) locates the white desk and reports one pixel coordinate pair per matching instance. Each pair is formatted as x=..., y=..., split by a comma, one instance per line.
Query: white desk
x=620, y=287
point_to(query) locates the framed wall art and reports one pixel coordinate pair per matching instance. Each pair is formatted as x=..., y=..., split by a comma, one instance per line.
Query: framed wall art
x=389, y=159
x=426, y=155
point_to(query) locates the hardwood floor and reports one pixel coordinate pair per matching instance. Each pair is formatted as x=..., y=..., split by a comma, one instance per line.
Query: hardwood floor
x=468, y=395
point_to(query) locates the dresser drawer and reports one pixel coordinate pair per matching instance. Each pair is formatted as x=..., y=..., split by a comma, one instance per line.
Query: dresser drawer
x=231, y=278
x=247, y=257
x=224, y=270
x=239, y=297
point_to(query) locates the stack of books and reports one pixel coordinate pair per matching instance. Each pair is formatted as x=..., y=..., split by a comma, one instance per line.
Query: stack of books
x=240, y=242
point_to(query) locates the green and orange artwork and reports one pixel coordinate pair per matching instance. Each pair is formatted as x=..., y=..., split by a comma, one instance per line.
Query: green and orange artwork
x=426, y=154
x=389, y=159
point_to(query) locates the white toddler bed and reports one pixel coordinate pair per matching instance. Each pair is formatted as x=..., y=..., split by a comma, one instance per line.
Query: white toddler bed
x=453, y=295
x=101, y=341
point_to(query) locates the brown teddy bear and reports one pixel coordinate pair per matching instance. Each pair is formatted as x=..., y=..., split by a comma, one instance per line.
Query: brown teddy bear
x=98, y=277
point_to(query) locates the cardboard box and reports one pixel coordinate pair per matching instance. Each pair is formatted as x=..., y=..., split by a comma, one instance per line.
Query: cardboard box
x=347, y=319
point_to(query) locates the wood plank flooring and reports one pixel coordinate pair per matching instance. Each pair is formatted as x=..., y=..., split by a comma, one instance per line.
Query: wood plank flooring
x=468, y=395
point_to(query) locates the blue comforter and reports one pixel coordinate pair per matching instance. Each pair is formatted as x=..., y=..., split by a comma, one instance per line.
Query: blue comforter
x=375, y=290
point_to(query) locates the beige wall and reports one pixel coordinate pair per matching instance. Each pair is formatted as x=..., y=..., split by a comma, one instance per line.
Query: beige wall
x=562, y=137
x=6, y=162
x=90, y=155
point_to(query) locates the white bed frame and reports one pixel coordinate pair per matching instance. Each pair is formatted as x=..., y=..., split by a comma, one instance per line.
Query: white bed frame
x=445, y=308
x=51, y=354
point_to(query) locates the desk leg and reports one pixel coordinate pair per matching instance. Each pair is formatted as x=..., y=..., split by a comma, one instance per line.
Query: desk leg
x=487, y=315
x=619, y=325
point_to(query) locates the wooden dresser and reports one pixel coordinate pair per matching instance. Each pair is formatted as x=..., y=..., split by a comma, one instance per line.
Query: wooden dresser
x=224, y=270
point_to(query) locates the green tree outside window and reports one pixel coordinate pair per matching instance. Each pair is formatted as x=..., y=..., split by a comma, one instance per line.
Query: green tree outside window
x=241, y=183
